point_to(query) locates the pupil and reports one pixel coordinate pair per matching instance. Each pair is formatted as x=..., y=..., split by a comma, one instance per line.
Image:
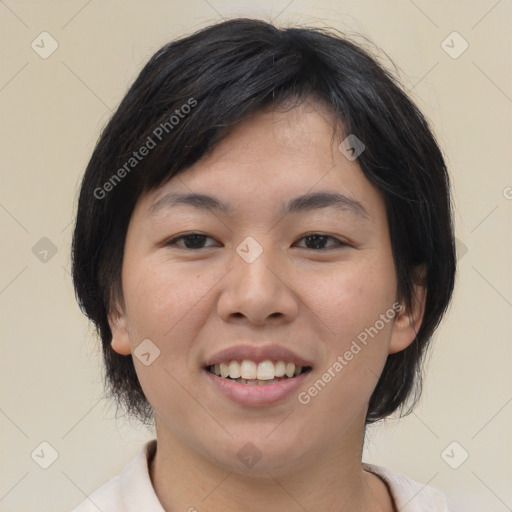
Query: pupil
x=316, y=237
x=197, y=241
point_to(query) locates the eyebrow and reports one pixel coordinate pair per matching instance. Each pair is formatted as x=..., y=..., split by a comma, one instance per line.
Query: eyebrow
x=299, y=204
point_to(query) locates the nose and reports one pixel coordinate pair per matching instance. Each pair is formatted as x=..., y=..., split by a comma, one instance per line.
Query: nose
x=258, y=292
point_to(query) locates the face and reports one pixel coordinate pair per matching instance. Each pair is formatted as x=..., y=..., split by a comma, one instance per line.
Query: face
x=267, y=278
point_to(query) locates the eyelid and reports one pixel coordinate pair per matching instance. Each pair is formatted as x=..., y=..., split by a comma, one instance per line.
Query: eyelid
x=172, y=241
x=339, y=242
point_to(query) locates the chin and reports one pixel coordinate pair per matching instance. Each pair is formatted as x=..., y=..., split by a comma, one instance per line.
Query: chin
x=259, y=457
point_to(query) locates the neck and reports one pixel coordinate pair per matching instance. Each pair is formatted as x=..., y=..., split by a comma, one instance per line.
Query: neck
x=184, y=479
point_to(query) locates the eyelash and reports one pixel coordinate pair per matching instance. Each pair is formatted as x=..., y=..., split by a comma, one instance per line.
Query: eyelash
x=173, y=241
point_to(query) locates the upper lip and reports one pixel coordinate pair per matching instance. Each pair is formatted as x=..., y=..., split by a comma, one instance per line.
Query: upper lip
x=256, y=354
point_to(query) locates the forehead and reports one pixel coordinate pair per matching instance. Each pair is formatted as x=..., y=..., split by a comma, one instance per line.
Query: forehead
x=285, y=160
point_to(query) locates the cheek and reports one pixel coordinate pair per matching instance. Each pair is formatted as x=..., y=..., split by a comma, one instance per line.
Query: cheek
x=356, y=351
x=162, y=298
x=168, y=306
x=163, y=305
x=356, y=308
x=351, y=298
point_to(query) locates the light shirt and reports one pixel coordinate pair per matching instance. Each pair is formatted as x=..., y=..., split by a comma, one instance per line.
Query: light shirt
x=132, y=490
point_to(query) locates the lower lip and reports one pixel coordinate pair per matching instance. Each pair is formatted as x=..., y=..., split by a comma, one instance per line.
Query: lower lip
x=257, y=395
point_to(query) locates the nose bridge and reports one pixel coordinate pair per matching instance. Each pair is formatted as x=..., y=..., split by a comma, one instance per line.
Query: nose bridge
x=255, y=287
x=254, y=270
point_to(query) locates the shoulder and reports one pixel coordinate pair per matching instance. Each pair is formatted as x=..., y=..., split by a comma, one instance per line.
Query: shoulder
x=107, y=497
x=131, y=491
x=409, y=495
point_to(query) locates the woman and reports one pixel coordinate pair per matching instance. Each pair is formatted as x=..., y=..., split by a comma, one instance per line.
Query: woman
x=265, y=244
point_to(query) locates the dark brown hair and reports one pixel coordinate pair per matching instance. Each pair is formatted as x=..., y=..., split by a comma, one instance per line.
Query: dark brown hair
x=187, y=98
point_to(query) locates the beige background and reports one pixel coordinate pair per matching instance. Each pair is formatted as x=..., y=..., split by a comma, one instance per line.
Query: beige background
x=52, y=111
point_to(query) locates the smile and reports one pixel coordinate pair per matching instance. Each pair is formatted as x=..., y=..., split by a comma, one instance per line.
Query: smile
x=252, y=373
x=255, y=392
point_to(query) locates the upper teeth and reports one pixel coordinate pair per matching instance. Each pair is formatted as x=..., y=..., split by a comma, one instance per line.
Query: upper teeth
x=266, y=370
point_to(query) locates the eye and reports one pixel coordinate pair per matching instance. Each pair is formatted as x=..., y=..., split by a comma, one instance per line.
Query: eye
x=191, y=240
x=317, y=239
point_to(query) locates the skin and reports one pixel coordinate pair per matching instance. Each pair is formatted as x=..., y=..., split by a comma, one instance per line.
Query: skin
x=193, y=302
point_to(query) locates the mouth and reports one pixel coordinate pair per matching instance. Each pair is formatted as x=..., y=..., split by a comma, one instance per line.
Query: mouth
x=250, y=386
x=261, y=373
x=256, y=376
